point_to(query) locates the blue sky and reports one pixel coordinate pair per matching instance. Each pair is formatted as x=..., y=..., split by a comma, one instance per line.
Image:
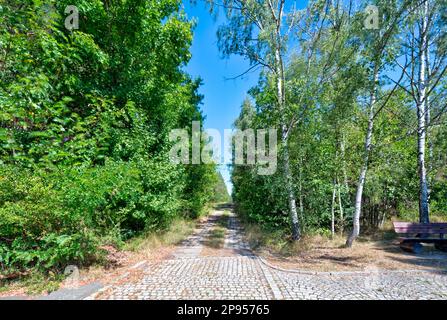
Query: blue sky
x=222, y=98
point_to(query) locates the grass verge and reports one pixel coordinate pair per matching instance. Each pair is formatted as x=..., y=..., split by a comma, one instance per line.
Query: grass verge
x=178, y=231
x=322, y=253
x=216, y=238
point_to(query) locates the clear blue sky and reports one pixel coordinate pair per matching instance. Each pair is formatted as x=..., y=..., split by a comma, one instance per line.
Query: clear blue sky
x=222, y=98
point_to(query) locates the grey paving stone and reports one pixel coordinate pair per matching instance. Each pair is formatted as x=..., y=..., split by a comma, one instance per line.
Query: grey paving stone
x=73, y=294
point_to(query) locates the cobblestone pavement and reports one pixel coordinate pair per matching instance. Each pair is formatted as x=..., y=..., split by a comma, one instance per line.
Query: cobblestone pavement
x=188, y=275
x=383, y=285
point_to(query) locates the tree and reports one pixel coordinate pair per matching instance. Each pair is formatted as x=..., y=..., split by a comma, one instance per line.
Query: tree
x=351, y=119
x=425, y=39
x=85, y=119
x=378, y=49
x=255, y=30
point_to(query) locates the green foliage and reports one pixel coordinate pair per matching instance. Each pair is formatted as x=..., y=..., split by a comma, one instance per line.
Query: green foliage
x=328, y=79
x=84, y=127
x=220, y=192
x=50, y=219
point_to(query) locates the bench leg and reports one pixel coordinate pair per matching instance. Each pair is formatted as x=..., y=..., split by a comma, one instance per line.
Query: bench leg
x=413, y=247
x=442, y=246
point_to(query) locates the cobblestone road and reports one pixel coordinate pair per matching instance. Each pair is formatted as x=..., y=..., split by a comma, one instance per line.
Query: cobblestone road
x=242, y=275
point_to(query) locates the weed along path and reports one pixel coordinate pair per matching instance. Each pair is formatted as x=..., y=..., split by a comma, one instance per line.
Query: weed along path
x=216, y=263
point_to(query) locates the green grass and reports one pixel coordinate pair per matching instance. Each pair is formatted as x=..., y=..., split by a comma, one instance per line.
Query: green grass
x=216, y=238
x=274, y=240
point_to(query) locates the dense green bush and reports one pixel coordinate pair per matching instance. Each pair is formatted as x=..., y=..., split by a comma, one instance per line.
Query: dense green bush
x=439, y=198
x=84, y=124
x=50, y=218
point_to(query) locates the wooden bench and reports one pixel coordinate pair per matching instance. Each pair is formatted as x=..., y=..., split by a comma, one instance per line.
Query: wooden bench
x=417, y=233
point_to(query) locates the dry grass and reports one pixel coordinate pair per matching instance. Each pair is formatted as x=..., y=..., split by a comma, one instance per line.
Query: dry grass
x=215, y=240
x=152, y=247
x=216, y=237
x=147, y=244
x=319, y=253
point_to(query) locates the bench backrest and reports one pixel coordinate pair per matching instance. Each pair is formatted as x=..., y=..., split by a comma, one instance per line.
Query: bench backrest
x=427, y=228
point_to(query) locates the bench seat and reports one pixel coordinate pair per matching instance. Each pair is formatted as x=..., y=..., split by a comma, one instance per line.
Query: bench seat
x=418, y=233
x=423, y=240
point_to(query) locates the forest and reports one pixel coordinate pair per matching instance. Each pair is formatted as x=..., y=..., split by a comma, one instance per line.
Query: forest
x=357, y=91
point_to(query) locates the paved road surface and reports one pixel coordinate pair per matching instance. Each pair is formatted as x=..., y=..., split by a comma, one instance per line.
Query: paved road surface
x=238, y=274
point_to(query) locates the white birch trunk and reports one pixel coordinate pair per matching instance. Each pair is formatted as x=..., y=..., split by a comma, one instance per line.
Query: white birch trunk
x=334, y=194
x=427, y=125
x=368, y=143
x=340, y=204
x=279, y=70
x=296, y=233
x=421, y=108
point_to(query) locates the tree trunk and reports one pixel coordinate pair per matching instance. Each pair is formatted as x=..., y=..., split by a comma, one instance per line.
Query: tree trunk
x=296, y=233
x=334, y=194
x=301, y=198
x=368, y=143
x=341, y=223
x=421, y=105
x=427, y=125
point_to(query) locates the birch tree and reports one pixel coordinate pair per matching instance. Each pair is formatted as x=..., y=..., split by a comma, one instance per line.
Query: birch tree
x=425, y=49
x=377, y=50
x=258, y=31
x=338, y=30
x=349, y=112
